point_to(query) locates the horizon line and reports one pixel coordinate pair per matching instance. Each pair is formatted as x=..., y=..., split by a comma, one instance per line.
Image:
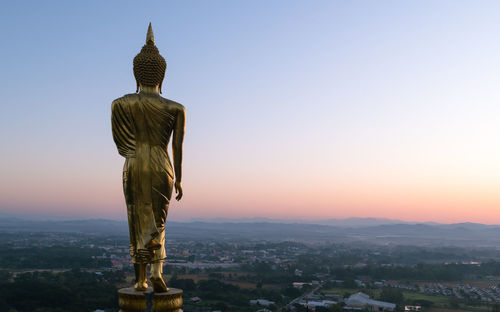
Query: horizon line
x=243, y=220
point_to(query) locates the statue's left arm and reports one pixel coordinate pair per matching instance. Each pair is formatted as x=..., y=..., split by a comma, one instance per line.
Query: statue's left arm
x=178, y=137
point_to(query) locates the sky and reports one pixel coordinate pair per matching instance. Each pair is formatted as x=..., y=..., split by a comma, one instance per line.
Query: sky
x=295, y=109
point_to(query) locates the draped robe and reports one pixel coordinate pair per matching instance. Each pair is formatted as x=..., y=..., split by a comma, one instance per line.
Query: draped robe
x=142, y=126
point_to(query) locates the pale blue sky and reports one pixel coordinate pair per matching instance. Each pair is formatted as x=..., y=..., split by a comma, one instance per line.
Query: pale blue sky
x=295, y=108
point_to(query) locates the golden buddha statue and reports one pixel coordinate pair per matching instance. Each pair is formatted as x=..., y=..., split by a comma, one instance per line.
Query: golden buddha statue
x=142, y=125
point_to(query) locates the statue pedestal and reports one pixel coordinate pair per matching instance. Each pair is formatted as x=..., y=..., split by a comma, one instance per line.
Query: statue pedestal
x=130, y=300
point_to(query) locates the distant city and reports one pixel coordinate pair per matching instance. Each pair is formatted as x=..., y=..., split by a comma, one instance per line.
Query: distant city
x=259, y=266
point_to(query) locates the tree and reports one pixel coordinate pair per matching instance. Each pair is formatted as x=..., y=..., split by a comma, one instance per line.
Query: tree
x=291, y=292
x=221, y=306
x=335, y=308
x=423, y=303
x=332, y=308
x=454, y=303
x=184, y=284
x=392, y=295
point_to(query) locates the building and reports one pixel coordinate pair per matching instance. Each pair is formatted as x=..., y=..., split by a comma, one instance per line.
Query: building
x=318, y=303
x=262, y=302
x=361, y=301
x=299, y=285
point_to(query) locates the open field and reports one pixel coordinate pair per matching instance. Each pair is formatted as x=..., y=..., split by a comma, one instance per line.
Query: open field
x=342, y=291
x=462, y=308
x=438, y=300
x=226, y=278
x=482, y=308
x=475, y=283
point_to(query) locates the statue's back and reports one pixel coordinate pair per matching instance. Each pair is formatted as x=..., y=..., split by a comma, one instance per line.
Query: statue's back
x=142, y=126
x=143, y=120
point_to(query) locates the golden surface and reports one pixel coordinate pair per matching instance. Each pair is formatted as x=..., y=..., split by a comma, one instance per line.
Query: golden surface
x=142, y=125
x=130, y=300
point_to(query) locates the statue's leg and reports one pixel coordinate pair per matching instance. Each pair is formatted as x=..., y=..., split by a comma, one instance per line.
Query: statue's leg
x=162, y=185
x=157, y=265
x=161, y=199
x=128, y=191
x=158, y=258
x=156, y=277
x=141, y=283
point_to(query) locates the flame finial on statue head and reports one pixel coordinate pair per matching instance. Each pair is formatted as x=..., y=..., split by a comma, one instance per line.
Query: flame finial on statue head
x=150, y=37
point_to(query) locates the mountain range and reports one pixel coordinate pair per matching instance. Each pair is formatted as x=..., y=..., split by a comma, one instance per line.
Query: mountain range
x=369, y=230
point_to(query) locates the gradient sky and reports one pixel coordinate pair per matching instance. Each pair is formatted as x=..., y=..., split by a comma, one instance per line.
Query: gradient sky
x=296, y=109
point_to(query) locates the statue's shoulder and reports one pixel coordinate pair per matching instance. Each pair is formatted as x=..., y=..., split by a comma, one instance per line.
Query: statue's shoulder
x=124, y=100
x=173, y=104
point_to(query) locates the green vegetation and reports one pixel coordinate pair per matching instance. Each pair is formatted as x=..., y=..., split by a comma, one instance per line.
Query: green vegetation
x=53, y=257
x=266, y=270
x=218, y=295
x=418, y=298
x=420, y=272
x=71, y=291
x=392, y=295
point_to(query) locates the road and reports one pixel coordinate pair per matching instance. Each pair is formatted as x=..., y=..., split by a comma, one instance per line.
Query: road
x=298, y=299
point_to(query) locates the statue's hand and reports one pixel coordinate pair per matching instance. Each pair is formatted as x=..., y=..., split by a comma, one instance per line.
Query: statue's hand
x=178, y=190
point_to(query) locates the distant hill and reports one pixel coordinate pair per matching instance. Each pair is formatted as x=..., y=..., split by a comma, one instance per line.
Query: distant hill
x=87, y=226
x=373, y=231
x=347, y=222
x=359, y=222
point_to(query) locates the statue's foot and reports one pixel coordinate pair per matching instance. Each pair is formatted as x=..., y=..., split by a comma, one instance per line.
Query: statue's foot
x=159, y=285
x=141, y=286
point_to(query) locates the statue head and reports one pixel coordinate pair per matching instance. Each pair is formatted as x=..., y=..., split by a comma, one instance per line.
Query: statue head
x=149, y=65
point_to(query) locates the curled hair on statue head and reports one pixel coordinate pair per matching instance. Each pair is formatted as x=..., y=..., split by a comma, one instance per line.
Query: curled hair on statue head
x=149, y=65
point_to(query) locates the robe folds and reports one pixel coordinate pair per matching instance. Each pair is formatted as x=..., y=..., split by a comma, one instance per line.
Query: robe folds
x=142, y=126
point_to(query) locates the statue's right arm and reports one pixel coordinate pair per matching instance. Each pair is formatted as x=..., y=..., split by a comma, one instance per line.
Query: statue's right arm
x=178, y=138
x=123, y=140
x=113, y=119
